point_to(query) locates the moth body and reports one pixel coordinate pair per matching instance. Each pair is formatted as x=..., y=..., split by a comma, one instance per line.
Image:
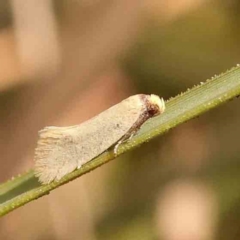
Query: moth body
x=61, y=150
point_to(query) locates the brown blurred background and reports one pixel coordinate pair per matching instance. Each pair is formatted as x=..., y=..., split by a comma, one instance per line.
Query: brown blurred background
x=62, y=62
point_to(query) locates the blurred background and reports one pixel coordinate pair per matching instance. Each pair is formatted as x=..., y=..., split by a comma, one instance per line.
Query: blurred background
x=64, y=61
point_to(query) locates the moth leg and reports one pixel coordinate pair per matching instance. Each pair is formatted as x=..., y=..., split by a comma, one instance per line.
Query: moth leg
x=132, y=135
x=125, y=138
x=116, y=147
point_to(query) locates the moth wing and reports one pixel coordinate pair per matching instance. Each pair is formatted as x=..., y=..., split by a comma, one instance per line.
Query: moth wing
x=60, y=150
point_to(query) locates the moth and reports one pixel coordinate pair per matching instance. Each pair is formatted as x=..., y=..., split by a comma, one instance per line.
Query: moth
x=61, y=150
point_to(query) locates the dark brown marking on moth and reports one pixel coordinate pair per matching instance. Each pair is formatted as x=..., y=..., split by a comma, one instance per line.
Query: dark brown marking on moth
x=153, y=109
x=149, y=110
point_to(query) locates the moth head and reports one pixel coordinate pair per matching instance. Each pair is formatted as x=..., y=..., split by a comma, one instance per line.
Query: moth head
x=155, y=105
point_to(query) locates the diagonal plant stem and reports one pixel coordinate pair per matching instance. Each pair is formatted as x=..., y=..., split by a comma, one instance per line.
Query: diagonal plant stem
x=185, y=106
